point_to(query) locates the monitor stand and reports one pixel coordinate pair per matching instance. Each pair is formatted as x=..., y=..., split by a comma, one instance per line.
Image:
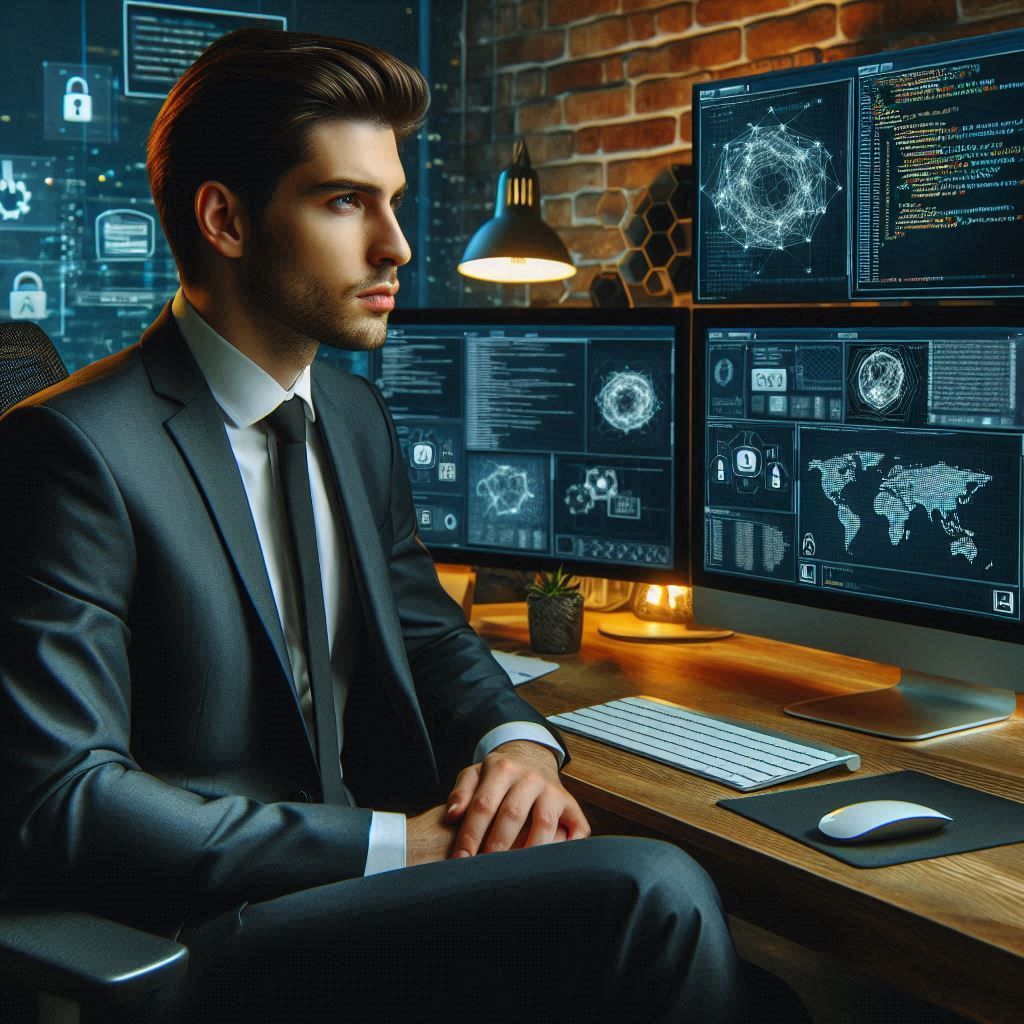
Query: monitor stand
x=918, y=707
x=627, y=626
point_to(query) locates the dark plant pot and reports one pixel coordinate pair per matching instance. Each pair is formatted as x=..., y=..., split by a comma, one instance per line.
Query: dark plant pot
x=556, y=623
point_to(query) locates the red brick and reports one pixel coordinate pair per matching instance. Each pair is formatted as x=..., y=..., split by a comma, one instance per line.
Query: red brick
x=531, y=48
x=777, y=35
x=539, y=116
x=529, y=85
x=666, y=93
x=557, y=212
x=674, y=20
x=613, y=68
x=597, y=104
x=503, y=92
x=658, y=131
x=606, y=34
x=582, y=74
x=859, y=20
x=777, y=63
x=641, y=26
x=550, y=147
x=991, y=25
x=694, y=52
x=920, y=13
x=971, y=7
x=508, y=19
x=849, y=50
x=568, y=178
x=564, y=12
x=970, y=28
x=710, y=12
x=686, y=126
x=634, y=173
x=593, y=243
x=636, y=5
x=531, y=15
x=584, y=206
x=588, y=140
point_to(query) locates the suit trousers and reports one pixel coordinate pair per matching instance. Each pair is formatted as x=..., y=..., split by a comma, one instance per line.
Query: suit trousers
x=601, y=929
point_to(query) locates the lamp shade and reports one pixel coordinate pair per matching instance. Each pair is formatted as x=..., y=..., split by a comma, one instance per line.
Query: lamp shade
x=515, y=246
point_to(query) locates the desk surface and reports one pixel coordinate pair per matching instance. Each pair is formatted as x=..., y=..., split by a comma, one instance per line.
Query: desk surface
x=949, y=930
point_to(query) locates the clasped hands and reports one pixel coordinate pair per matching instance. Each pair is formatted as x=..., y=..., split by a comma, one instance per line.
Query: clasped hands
x=511, y=800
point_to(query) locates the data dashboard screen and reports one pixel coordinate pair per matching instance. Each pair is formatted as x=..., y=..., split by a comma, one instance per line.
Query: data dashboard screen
x=869, y=462
x=894, y=176
x=551, y=441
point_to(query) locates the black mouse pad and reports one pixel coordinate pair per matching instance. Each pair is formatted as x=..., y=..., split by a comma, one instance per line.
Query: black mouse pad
x=980, y=820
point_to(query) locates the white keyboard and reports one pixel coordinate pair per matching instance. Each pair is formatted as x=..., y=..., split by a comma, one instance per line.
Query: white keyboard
x=717, y=748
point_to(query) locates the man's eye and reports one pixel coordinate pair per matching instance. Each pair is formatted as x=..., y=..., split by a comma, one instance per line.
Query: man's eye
x=349, y=200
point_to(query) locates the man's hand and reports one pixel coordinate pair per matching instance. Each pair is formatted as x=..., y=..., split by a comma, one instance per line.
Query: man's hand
x=429, y=837
x=513, y=799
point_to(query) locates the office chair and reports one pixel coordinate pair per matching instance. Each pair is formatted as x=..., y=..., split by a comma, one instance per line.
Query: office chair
x=68, y=959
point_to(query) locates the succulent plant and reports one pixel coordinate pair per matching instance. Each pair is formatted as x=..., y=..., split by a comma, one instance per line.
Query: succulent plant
x=557, y=583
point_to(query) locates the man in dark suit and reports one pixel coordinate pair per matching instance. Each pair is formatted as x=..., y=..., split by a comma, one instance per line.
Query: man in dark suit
x=199, y=712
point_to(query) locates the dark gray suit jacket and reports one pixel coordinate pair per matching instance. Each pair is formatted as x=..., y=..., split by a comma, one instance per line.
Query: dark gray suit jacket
x=154, y=763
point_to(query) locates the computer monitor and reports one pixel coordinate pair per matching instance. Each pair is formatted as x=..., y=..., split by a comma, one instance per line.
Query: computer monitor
x=543, y=437
x=858, y=488
x=892, y=176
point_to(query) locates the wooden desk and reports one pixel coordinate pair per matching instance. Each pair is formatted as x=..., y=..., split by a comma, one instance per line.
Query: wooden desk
x=949, y=930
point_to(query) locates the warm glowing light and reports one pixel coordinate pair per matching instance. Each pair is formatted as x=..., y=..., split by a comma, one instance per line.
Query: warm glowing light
x=664, y=604
x=516, y=270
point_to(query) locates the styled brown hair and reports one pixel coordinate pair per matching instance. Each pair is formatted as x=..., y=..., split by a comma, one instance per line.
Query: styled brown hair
x=243, y=112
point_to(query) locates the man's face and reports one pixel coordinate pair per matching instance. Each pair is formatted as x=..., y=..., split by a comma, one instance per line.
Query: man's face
x=323, y=260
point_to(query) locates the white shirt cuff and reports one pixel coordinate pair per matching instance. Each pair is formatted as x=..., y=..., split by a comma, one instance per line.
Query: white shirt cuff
x=387, y=843
x=517, y=731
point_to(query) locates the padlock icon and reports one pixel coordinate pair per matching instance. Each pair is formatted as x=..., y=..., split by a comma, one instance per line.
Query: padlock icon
x=28, y=303
x=77, y=103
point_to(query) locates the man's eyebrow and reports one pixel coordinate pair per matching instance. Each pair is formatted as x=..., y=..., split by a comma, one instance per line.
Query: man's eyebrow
x=342, y=185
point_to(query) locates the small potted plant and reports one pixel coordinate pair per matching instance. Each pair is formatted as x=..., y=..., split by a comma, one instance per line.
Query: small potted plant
x=554, y=607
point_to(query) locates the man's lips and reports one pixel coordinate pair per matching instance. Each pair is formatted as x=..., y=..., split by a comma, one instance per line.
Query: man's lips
x=381, y=299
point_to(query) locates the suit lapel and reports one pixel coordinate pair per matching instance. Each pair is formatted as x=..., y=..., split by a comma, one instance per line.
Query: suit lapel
x=197, y=429
x=368, y=562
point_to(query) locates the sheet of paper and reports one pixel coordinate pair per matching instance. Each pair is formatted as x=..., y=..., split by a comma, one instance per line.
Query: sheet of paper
x=521, y=669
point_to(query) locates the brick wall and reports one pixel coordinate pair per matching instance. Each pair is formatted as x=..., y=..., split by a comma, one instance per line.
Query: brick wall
x=600, y=89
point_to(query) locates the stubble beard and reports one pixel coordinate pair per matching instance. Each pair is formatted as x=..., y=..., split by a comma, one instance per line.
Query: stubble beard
x=303, y=309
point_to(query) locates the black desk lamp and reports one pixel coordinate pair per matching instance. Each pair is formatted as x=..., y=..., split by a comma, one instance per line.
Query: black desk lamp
x=515, y=246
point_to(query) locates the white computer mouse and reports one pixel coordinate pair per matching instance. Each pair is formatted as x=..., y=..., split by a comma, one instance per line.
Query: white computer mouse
x=880, y=819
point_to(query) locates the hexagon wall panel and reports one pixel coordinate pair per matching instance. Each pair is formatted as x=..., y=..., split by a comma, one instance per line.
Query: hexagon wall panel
x=656, y=264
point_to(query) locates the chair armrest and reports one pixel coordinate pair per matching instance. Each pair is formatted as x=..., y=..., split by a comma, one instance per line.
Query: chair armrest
x=82, y=956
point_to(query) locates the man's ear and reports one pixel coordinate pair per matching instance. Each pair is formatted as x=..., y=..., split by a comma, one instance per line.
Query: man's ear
x=220, y=214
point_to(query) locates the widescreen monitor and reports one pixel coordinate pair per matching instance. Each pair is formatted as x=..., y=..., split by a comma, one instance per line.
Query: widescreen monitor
x=894, y=176
x=544, y=437
x=858, y=488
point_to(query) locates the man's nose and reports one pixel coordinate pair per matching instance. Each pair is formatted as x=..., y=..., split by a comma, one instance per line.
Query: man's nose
x=390, y=246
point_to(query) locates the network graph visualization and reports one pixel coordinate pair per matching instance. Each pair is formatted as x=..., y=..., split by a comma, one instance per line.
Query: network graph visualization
x=772, y=186
x=542, y=438
x=895, y=176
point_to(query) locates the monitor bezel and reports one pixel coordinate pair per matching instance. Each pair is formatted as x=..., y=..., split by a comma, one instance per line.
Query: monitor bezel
x=678, y=319
x=834, y=71
x=739, y=318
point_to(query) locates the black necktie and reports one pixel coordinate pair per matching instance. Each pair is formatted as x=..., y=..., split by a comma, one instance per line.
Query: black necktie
x=288, y=422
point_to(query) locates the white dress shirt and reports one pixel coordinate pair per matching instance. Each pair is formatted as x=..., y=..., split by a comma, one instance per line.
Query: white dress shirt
x=246, y=394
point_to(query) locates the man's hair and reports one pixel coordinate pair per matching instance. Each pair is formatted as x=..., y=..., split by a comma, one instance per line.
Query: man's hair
x=242, y=114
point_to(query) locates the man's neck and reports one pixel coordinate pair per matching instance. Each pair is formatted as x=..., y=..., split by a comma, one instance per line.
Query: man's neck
x=272, y=346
